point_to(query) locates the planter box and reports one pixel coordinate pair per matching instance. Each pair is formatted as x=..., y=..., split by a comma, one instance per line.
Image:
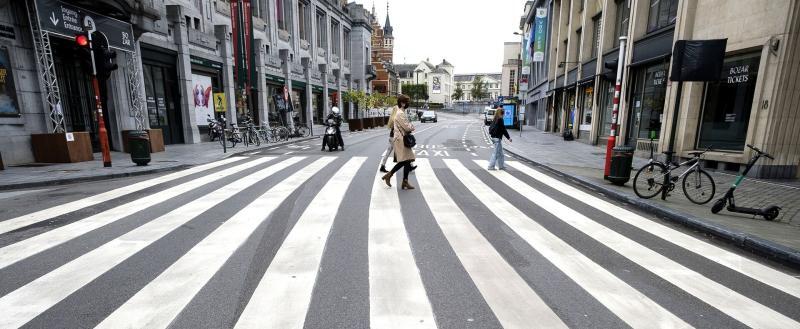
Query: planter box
x=355, y=124
x=54, y=148
x=369, y=123
x=156, y=137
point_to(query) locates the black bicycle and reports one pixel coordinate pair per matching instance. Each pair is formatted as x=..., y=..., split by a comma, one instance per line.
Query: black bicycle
x=697, y=185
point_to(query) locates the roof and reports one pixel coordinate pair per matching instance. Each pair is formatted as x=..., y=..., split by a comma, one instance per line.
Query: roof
x=440, y=70
x=445, y=63
x=387, y=27
x=470, y=77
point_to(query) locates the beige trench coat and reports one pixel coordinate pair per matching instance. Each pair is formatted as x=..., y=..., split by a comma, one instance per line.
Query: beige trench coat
x=401, y=127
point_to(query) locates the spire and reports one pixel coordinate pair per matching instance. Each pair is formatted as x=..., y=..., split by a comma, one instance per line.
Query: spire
x=373, y=7
x=387, y=27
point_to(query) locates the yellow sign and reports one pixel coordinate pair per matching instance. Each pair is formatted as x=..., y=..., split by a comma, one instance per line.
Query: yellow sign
x=220, y=105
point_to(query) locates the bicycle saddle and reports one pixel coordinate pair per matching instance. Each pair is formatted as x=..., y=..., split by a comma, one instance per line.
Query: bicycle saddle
x=696, y=153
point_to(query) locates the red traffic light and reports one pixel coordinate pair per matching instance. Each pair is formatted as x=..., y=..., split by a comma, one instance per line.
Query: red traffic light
x=82, y=40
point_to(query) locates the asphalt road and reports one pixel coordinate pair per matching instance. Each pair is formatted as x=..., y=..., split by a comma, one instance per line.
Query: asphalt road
x=292, y=237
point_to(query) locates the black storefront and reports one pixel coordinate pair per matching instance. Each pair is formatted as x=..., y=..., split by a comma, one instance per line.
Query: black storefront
x=277, y=105
x=162, y=93
x=212, y=71
x=648, y=86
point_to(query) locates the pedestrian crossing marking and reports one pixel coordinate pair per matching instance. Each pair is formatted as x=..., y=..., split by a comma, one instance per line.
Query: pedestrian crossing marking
x=512, y=300
x=25, y=303
x=157, y=304
x=396, y=294
x=744, y=265
x=286, y=287
x=13, y=253
x=627, y=303
x=722, y=298
x=52, y=212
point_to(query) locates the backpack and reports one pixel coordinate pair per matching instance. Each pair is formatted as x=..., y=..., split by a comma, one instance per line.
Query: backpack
x=493, y=129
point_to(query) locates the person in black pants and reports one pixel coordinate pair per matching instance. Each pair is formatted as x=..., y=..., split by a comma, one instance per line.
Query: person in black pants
x=403, y=154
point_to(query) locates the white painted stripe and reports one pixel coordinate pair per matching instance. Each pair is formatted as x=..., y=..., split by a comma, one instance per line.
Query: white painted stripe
x=709, y=291
x=287, y=153
x=158, y=303
x=13, y=253
x=287, y=286
x=397, y=297
x=629, y=304
x=753, y=269
x=41, y=215
x=473, y=154
x=30, y=300
x=513, y=302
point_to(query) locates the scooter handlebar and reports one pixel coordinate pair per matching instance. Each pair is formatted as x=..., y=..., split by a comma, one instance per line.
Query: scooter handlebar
x=760, y=152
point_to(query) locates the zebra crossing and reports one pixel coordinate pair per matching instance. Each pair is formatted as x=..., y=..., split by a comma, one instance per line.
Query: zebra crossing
x=504, y=229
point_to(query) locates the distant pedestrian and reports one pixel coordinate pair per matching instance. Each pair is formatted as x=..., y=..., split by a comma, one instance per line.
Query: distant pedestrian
x=390, y=149
x=403, y=154
x=497, y=130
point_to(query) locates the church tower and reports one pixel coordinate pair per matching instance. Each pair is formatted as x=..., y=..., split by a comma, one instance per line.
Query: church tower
x=388, y=38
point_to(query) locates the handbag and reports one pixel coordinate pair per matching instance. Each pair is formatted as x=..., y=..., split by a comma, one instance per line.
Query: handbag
x=409, y=140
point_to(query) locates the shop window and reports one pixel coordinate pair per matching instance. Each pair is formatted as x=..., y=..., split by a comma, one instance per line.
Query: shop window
x=648, y=101
x=623, y=18
x=586, y=117
x=8, y=93
x=608, y=107
x=662, y=14
x=728, y=102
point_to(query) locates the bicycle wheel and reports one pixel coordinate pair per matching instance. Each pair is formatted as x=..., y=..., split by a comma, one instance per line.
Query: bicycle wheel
x=283, y=134
x=302, y=131
x=649, y=180
x=225, y=140
x=254, y=137
x=698, y=186
x=273, y=135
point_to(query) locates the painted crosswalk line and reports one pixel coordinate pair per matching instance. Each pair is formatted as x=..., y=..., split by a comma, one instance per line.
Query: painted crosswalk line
x=709, y=291
x=627, y=303
x=513, y=302
x=52, y=212
x=744, y=265
x=158, y=303
x=396, y=294
x=13, y=253
x=286, y=287
x=25, y=303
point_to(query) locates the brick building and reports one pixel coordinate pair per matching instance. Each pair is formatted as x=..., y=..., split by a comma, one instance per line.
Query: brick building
x=383, y=56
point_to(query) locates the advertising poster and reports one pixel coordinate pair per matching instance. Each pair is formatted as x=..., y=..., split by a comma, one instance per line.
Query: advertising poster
x=437, y=85
x=201, y=93
x=219, y=102
x=508, y=114
x=8, y=94
x=540, y=28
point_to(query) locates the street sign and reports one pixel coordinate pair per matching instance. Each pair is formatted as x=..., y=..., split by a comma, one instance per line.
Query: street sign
x=67, y=20
x=219, y=102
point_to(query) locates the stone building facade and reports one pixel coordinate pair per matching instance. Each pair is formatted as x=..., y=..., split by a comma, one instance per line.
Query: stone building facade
x=753, y=102
x=313, y=50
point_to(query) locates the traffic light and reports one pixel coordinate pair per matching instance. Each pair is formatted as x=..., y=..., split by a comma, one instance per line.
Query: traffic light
x=104, y=57
x=83, y=53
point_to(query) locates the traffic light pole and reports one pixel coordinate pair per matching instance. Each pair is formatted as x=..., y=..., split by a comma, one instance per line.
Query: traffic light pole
x=102, y=133
x=612, y=138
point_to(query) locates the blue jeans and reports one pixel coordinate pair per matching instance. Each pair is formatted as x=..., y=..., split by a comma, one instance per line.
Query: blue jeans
x=497, y=154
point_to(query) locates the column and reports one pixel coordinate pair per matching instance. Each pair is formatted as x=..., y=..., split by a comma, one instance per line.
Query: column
x=261, y=83
x=191, y=134
x=223, y=33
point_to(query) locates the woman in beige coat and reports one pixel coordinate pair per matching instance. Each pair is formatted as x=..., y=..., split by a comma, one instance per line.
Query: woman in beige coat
x=402, y=155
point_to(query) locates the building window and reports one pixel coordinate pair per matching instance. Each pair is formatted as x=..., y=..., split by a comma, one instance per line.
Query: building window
x=728, y=102
x=511, y=84
x=579, y=37
x=336, y=42
x=649, y=93
x=347, y=44
x=303, y=15
x=623, y=17
x=283, y=12
x=586, y=117
x=255, y=8
x=662, y=14
x=322, y=37
x=596, y=26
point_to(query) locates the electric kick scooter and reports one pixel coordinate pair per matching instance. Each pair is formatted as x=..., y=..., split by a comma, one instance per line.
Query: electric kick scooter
x=769, y=213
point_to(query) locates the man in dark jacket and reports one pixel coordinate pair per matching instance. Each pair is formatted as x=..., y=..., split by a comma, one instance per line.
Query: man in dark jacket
x=497, y=130
x=337, y=121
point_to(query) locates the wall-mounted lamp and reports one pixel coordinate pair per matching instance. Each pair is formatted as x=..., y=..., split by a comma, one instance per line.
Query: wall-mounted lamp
x=774, y=44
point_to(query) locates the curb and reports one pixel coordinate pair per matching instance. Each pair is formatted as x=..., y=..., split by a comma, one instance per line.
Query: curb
x=66, y=181
x=743, y=240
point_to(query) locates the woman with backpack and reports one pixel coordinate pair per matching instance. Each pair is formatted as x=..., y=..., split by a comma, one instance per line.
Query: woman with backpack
x=403, y=153
x=497, y=130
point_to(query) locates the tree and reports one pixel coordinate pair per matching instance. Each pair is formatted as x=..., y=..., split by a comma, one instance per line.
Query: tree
x=416, y=92
x=478, y=91
x=458, y=93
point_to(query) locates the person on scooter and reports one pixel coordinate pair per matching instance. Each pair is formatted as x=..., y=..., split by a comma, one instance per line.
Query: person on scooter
x=337, y=121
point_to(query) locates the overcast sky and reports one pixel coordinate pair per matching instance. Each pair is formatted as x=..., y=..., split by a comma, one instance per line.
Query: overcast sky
x=468, y=33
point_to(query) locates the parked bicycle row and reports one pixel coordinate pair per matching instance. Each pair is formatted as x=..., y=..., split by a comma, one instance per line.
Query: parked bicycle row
x=247, y=133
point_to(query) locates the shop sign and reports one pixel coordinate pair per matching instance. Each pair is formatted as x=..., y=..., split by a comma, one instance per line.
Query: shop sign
x=205, y=62
x=220, y=105
x=739, y=74
x=659, y=77
x=8, y=93
x=317, y=88
x=66, y=20
x=277, y=79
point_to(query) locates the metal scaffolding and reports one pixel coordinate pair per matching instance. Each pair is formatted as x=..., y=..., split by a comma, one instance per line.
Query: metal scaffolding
x=44, y=62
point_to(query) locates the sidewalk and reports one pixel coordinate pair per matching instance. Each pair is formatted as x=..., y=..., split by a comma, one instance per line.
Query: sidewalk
x=176, y=157
x=585, y=163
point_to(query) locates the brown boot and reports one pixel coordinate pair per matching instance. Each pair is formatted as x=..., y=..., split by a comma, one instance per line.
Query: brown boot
x=407, y=186
x=388, y=179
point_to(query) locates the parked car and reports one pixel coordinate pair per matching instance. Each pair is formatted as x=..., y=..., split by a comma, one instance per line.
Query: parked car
x=428, y=116
x=488, y=116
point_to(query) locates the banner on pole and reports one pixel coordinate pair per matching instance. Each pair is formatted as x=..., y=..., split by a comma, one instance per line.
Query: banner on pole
x=540, y=29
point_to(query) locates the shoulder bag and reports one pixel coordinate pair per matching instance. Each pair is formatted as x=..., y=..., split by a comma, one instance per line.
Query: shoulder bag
x=408, y=139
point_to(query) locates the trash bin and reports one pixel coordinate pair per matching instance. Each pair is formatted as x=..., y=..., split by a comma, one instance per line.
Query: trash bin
x=621, y=162
x=139, y=145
